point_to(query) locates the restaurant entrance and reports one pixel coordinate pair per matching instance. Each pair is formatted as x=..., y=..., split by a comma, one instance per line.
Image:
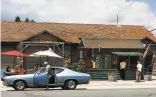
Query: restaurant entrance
x=131, y=61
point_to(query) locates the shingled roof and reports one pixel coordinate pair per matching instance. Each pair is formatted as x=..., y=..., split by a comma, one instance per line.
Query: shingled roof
x=70, y=32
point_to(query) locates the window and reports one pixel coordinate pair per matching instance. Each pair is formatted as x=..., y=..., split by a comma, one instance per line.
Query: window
x=42, y=70
x=58, y=70
x=107, y=61
x=133, y=62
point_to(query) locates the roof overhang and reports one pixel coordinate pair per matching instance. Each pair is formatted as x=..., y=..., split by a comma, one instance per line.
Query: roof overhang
x=128, y=53
x=107, y=43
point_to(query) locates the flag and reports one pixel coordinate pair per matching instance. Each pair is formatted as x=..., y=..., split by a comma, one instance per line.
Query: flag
x=145, y=53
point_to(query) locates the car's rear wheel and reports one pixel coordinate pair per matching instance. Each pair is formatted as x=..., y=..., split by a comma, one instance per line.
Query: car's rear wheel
x=19, y=85
x=70, y=85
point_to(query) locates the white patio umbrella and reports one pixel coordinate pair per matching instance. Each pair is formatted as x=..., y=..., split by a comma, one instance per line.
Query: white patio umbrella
x=46, y=53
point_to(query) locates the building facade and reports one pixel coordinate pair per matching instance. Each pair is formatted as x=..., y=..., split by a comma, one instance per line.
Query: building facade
x=104, y=45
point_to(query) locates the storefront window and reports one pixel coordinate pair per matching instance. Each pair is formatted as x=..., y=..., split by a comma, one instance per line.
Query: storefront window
x=107, y=61
x=103, y=61
x=98, y=61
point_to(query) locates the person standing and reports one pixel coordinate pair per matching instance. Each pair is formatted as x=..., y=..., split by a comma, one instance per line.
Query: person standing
x=122, y=69
x=36, y=67
x=48, y=71
x=138, y=71
x=47, y=66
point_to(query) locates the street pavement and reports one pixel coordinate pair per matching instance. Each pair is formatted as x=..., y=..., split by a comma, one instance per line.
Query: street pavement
x=120, y=84
x=82, y=93
x=108, y=85
x=128, y=88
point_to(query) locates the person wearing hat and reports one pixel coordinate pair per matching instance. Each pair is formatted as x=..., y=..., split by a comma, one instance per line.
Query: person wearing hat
x=48, y=71
x=47, y=66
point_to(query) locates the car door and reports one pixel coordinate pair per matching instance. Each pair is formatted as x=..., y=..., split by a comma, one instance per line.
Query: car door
x=59, y=78
x=41, y=77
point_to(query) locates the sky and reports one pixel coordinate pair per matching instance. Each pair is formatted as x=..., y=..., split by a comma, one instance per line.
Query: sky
x=130, y=12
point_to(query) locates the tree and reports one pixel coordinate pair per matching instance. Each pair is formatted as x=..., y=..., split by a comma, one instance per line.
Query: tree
x=17, y=19
x=32, y=20
x=27, y=20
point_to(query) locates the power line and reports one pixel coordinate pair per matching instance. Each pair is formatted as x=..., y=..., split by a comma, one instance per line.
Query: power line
x=153, y=29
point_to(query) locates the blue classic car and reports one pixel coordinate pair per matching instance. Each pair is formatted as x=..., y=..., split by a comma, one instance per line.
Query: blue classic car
x=56, y=77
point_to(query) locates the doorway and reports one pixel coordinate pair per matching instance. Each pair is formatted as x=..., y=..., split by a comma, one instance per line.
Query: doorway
x=130, y=70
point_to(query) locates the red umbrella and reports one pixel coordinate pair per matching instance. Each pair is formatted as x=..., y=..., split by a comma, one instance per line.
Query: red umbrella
x=15, y=53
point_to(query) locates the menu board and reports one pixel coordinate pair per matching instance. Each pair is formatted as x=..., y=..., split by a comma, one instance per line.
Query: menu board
x=98, y=61
x=107, y=61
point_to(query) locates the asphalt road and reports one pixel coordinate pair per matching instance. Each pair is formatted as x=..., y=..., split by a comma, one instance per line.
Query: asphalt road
x=81, y=93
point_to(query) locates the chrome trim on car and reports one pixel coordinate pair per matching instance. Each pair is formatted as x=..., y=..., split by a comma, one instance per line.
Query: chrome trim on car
x=5, y=83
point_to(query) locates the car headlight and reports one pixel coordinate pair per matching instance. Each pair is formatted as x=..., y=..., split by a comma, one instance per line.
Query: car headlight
x=4, y=79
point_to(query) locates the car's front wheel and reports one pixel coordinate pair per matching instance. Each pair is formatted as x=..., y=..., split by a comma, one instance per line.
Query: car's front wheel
x=19, y=85
x=70, y=84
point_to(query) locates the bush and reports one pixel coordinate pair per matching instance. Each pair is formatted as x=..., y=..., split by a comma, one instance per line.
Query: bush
x=78, y=66
x=111, y=74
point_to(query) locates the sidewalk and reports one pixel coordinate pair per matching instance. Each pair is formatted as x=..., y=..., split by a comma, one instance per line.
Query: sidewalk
x=108, y=85
x=120, y=84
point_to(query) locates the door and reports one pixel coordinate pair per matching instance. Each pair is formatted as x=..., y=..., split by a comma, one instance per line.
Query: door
x=59, y=79
x=41, y=77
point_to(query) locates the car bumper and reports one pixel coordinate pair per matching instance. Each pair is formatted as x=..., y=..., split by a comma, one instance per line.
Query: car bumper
x=89, y=81
x=5, y=83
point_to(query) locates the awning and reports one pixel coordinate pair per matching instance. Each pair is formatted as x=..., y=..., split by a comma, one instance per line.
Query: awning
x=128, y=53
x=112, y=43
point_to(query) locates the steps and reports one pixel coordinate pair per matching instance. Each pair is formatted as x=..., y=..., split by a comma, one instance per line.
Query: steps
x=101, y=74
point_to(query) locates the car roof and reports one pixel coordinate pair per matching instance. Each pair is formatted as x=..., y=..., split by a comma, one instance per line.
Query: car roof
x=56, y=67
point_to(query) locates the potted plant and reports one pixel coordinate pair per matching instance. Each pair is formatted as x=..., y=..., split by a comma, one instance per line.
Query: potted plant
x=111, y=76
x=148, y=77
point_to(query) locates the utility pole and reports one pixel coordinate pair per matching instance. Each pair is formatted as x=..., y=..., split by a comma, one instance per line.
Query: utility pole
x=152, y=29
x=117, y=20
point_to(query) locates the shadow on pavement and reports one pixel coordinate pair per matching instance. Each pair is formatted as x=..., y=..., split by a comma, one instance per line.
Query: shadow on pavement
x=47, y=90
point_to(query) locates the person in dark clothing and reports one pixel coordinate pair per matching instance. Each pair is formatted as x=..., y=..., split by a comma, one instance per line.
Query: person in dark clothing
x=36, y=67
x=8, y=68
x=122, y=69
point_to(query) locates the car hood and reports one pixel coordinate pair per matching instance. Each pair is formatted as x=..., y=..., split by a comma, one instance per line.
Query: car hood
x=20, y=76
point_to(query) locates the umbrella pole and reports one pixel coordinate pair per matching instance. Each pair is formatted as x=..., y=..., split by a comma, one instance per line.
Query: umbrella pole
x=14, y=63
x=40, y=60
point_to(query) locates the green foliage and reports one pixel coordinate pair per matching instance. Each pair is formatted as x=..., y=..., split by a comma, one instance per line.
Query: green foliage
x=111, y=74
x=17, y=19
x=79, y=66
x=27, y=20
x=32, y=20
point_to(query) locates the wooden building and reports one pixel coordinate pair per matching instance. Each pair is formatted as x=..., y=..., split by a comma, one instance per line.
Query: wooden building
x=107, y=54
x=75, y=39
